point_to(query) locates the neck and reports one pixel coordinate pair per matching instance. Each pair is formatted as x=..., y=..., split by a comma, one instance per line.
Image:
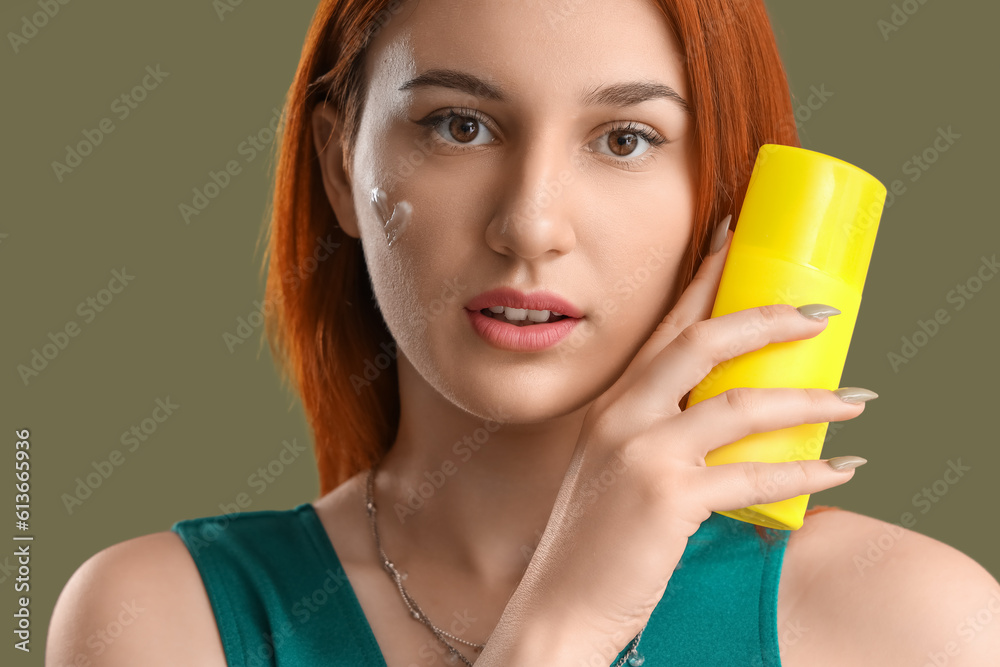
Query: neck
x=468, y=494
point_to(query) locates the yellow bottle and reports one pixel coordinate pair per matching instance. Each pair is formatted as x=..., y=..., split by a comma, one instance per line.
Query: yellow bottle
x=805, y=235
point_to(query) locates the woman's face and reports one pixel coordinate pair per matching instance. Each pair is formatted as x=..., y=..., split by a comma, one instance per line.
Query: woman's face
x=567, y=167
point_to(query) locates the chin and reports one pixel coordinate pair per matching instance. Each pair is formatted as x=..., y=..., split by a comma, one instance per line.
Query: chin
x=519, y=399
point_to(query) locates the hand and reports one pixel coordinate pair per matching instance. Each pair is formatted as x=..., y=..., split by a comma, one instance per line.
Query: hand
x=638, y=487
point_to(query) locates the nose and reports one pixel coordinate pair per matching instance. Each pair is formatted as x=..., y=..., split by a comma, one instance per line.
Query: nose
x=535, y=212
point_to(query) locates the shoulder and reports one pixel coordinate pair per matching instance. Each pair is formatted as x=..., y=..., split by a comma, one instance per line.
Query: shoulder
x=864, y=591
x=140, y=601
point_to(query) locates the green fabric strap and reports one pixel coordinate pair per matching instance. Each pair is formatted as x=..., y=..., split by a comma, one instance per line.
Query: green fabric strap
x=277, y=587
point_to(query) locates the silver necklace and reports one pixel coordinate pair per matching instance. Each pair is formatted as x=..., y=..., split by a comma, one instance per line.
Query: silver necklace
x=632, y=655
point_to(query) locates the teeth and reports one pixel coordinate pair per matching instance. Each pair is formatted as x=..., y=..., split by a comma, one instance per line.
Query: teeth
x=522, y=314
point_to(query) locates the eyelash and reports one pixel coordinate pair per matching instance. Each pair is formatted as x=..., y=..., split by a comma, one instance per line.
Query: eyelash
x=654, y=138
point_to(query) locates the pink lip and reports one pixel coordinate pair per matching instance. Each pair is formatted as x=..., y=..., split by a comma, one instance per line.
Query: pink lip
x=512, y=298
x=531, y=338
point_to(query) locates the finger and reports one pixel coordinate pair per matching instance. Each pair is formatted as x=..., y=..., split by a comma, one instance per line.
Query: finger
x=733, y=486
x=694, y=304
x=708, y=344
x=736, y=413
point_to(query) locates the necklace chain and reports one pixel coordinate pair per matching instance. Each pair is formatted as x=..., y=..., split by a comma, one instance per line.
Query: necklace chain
x=631, y=656
x=415, y=611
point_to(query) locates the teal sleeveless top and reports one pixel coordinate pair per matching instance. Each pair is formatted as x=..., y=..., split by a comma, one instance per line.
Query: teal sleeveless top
x=280, y=595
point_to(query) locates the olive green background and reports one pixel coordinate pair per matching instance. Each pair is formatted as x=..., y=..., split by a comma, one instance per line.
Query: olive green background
x=162, y=336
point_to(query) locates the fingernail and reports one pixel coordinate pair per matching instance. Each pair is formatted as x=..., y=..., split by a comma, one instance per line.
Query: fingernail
x=855, y=394
x=817, y=311
x=719, y=236
x=846, y=462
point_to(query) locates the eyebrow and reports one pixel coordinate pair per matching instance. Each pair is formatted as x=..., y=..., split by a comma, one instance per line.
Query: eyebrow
x=623, y=94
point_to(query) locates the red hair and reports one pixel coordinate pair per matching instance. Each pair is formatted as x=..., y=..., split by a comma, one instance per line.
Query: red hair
x=323, y=326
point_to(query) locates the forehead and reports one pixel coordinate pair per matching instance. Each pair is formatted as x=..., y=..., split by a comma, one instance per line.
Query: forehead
x=532, y=50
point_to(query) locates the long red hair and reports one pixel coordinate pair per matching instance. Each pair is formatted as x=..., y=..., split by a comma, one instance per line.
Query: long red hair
x=322, y=322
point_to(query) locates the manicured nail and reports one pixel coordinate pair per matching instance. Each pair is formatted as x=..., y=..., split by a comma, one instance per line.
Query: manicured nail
x=846, y=462
x=719, y=236
x=817, y=311
x=855, y=394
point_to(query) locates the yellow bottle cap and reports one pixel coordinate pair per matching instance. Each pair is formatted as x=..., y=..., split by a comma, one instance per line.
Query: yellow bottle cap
x=812, y=209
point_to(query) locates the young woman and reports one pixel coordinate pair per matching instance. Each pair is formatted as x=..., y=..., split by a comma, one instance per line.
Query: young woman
x=532, y=202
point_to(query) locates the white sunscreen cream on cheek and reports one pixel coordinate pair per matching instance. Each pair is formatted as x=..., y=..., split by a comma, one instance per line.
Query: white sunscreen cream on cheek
x=394, y=221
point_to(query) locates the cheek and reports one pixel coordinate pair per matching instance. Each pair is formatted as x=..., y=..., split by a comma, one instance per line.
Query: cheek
x=637, y=291
x=418, y=277
x=641, y=253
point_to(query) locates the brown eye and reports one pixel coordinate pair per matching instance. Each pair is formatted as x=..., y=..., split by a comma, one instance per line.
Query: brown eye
x=463, y=128
x=456, y=128
x=622, y=142
x=630, y=140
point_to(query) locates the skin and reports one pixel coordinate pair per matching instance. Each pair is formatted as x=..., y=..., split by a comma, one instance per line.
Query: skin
x=467, y=218
x=608, y=225
x=468, y=225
